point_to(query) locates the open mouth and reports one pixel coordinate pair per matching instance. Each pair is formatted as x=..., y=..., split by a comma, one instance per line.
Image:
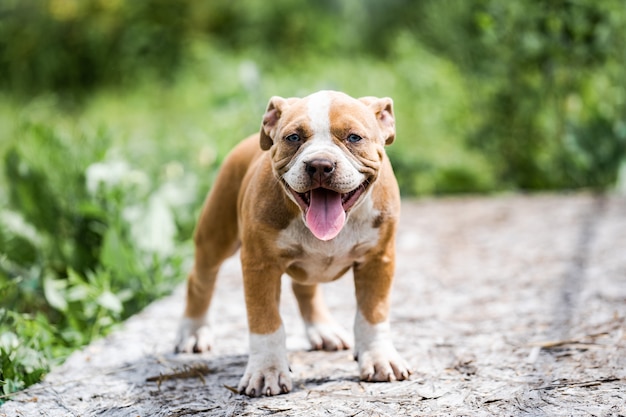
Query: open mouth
x=325, y=210
x=348, y=200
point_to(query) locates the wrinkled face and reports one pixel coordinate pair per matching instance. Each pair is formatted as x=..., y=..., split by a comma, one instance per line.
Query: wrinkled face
x=326, y=149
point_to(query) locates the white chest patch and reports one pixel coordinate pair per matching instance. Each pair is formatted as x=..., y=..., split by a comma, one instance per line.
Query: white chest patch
x=324, y=261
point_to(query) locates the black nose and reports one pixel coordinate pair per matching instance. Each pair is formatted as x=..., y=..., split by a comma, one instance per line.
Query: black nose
x=320, y=168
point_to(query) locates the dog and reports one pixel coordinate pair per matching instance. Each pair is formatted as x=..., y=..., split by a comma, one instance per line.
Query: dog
x=312, y=195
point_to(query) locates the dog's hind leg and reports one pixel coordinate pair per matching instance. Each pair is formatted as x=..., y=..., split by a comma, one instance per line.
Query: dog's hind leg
x=214, y=243
x=216, y=238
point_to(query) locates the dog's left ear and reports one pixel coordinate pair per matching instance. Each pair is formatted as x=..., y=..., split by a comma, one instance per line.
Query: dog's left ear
x=383, y=109
x=275, y=108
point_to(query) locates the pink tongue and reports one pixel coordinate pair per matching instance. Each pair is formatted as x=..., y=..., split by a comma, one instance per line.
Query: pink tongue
x=325, y=216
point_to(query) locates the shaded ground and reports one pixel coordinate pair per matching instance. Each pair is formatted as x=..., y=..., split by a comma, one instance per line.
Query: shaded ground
x=510, y=305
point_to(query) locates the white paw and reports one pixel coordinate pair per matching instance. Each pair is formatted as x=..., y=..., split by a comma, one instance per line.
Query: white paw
x=383, y=364
x=194, y=336
x=378, y=358
x=327, y=336
x=267, y=372
x=258, y=381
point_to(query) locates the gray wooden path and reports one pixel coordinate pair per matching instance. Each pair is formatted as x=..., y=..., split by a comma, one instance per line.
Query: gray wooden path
x=509, y=306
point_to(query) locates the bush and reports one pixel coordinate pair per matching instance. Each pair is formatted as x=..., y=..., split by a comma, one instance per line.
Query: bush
x=76, y=258
x=549, y=81
x=71, y=45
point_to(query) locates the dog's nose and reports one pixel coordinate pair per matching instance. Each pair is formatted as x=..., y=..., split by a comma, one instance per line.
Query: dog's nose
x=320, y=168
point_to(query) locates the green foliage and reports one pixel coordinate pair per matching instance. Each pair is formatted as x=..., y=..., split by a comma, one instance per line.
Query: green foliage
x=71, y=44
x=74, y=259
x=553, y=52
x=24, y=350
x=545, y=78
x=550, y=80
x=47, y=188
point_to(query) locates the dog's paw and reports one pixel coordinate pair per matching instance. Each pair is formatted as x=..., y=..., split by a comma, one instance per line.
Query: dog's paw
x=327, y=336
x=383, y=364
x=378, y=359
x=271, y=380
x=267, y=372
x=194, y=336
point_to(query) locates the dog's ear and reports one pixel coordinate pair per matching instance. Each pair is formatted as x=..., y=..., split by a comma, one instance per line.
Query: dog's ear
x=270, y=121
x=383, y=109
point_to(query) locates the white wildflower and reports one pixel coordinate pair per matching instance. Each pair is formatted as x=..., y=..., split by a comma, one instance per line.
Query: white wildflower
x=105, y=173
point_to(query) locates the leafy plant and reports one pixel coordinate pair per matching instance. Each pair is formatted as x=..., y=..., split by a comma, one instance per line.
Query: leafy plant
x=72, y=263
x=548, y=77
x=25, y=355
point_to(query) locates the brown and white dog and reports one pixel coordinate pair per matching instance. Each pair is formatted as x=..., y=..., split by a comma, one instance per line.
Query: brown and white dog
x=312, y=196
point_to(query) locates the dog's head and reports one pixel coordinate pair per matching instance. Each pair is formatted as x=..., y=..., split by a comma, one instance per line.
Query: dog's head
x=326, y=151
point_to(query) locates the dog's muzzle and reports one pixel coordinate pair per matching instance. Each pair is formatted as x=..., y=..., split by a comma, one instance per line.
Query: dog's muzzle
x=325, y=209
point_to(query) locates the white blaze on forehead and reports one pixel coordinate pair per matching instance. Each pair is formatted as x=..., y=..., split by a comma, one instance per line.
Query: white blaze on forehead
x=318, y=110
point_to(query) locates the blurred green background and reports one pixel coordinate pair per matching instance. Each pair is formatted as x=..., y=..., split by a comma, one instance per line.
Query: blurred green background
x=114, y=116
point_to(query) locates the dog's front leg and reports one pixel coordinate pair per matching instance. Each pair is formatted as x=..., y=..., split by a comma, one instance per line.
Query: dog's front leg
x=267, y=372
x=378, y=358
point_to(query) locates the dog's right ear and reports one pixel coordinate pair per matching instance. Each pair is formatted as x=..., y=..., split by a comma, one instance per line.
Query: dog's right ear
x=275, y=108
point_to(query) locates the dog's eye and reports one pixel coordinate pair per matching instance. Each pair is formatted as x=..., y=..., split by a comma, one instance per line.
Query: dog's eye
x=353, y=138
x=294, y=137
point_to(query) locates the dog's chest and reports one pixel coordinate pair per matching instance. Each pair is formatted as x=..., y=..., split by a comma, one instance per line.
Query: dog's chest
x=311, y=260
